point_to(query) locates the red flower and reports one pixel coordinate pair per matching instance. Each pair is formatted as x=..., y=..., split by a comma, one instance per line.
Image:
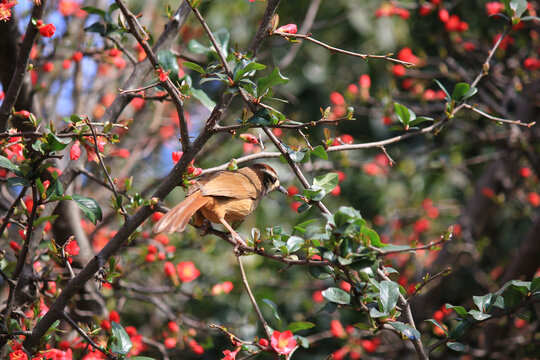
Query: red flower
x=494, y=7
x=398, y=70
x=263, y=342
x=534, y=199
x=444, y=16
x=162, y=74
x=292, y=190
x=230, y=355
x=337, y=329
x=425, y=9
x=170, y=342
x=67, y=7
x=248, y=138
x=365, y=81
x=336, y=191
x=187, y=271
x=114, y=316
x=77, y=56
x=169, y=268
x=227, y=287
x=288, y=29
x=73, y=248
x=5, y=9
x=421, y=225
x=525, y=172
x=352, y=88
x=48, y=66
x=14, y=246
x=47, y=30
x=176, y=155
x=283, y=342
x=370, y=345
x=75, y=151
x=337, y=99
x=197, y=349
x=173, y=326
x=406, y=54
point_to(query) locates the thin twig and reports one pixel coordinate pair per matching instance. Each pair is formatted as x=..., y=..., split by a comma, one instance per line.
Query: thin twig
x=491, y=117
x=85, y=336
x=104, y=168
x=173, y=92
x=441, y=273
x=252, y=298
x=130, y=91
x=338, y=50
x=5, y=220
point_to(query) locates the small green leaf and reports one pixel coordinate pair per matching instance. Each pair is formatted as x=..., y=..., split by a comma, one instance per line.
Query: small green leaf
x=404, y=114
x=123, y=344
x=477, y=315
x=96, y=27
x=261, y=117
x=7, y=164
x=89, y=207
x=300, y=325
x=303, y=207
x=94, y=10
x=327, y=182
x=320, y=152
x=436, y=323
x=274, y=78
x=41, y=220
x=55, y=189
x=273, y=306
x=420, y=120
x=456, y=346
x=294, y=243
x=303, y=225
x=193, y=66
x=252, y=66
x=56, y=143
x=482, y=302
x=460, y=310
x=374, y=313
x=203, y=98
x=407, y=330
x=337, y=296
x=388, y=294
x=448, y=97
x=470, y=92
x=321, y=272
x=460, y=90
x=18, y=181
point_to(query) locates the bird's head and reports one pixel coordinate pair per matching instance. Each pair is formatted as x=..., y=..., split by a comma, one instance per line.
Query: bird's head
x=269, y=178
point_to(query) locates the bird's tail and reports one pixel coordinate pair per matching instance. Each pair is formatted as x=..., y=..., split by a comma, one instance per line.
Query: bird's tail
x=178, y=217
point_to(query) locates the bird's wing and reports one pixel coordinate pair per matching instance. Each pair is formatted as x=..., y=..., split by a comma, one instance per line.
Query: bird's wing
x=240, y=184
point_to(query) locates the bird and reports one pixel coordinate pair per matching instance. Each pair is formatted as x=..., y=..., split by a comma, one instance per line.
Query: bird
x=224, y=197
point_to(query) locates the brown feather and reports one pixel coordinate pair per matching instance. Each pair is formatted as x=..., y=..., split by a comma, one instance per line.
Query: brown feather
x=178, y=217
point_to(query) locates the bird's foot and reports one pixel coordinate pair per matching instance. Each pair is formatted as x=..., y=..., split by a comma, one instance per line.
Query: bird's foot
x=205, y=227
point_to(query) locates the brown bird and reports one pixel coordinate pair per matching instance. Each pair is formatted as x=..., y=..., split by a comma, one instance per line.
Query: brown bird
x=222, y=197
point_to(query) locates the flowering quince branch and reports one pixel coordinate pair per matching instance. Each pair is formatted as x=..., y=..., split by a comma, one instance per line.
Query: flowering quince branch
x=495, y=118
x=118, y=202
x=166, y=83
x=12, y=93
x=131, y=91
x=85, y=336
x=308, y=37
x=429, y=279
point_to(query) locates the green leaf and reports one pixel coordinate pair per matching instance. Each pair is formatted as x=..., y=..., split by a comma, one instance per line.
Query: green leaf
x=41, y=220
x=303, y=207
x=94, y=10
x=56, y=143
x=535, y=284
x=337, y=296
x=294, y=243
x=18, y=181
x=261, y=117
x=252, y=66
x=7, y=164
x=197, y=48
x=420, y=120
x=203, y=98
x=321, y=272
x=55, y=189
x=470, y=93
x=460, y=328
x=320, y=152
x=303, y=225
x=89, y=207
x=222, y=37
x=168, y=62
x=482, y=302
x=448, y=97
x=300, y=325
x=456, y=346
x=193, y=66
x=96, y=27
x=436, y=323
x=123, y=344
x=274, y=78
x=388, y=292
x=477, y=315
x=327, y=182
x=407, y=330
x=273, y=306
x=461, y=90
x=460, y=310
x=374, y=313
x=404, y=114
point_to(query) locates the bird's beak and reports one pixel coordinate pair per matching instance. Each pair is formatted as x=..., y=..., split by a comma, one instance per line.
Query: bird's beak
x=282, y=189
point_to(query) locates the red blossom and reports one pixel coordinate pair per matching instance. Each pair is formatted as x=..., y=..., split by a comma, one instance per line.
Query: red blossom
x=337, y=99
x=5, y=9
x=407, y=55
x=68, y=7
x=398, y=70
x=525, y=172
x=337, y=329
x=195, y=347
x=365, y=81
x=494, y=7
x=173, y=326
x=263, y=342
x=283, y=342
x=187, y=271
x=444, y=16
x=370, y=345
x=75, y=151
x=288, y=29
x=169, y=269
x=77, y=56
x=170, y=342
x=352, y=88
x=48, y=67
x=248, y=138
x=230, y=355
x=162, y=74
x=47, y=30
x=534, y=199
x=421, y=225
x=73, y=248
x=176, y=155
x=336, y=191
x=122, y=153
